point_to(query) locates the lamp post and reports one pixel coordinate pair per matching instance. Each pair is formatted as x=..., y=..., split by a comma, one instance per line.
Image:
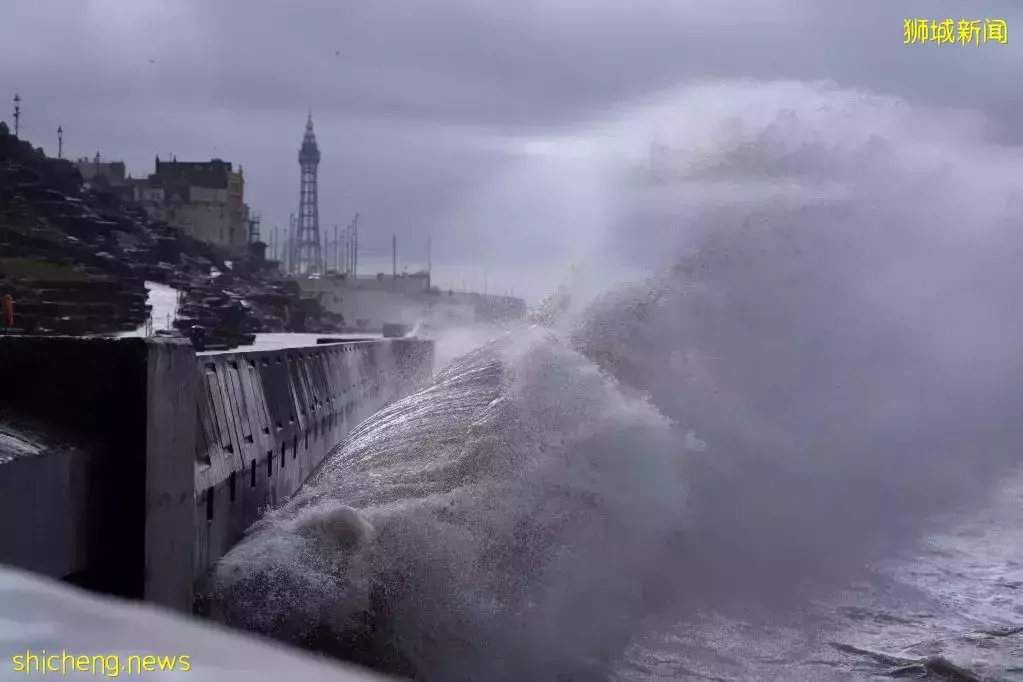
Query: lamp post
x=17, y=112
x=60, y=142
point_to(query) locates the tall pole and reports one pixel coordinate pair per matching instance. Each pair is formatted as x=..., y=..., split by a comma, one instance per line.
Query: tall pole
x=394, y=256
x=60, y=142
x=346, y=265
x=291, y=245
x=429, y=260
x=17, y=113
x=350, y=248
x=355, y=247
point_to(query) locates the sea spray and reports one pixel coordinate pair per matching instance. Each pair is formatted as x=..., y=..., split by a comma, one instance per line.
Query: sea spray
x=512, y=542
x=850, y=359
x=846, y=358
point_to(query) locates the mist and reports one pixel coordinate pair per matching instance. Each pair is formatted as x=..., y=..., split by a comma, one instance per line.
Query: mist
x=837, y=323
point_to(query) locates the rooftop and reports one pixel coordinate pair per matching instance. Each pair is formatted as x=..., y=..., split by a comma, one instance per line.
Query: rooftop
x=212, y=174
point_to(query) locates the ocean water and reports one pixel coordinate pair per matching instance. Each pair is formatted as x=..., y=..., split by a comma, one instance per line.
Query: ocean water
x=520, y=519
x=789, y=451
x=947, y=608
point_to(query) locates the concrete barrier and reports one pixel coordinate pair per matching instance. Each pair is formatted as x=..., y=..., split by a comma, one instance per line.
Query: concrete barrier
x=44, y=506
x=269, y=418
x=129, y=466
x=108, y=491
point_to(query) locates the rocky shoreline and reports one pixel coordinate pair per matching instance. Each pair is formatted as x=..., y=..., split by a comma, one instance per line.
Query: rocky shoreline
x=76, y=258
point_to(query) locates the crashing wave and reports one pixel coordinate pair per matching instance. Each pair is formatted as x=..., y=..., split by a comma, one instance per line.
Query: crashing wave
x=504, y=483
x=843, y=352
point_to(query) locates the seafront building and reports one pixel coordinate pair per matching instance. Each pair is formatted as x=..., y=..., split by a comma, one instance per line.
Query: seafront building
x=205, y=199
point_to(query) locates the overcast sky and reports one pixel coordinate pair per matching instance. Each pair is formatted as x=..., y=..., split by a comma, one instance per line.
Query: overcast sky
x=412, y=98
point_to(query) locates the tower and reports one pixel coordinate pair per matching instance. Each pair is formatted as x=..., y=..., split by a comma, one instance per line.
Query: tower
x=307, y=251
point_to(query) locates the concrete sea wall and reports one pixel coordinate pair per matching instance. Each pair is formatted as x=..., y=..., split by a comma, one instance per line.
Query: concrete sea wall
x=43, y=515
x=87, y=503
x=268, y=418
x=129, y=466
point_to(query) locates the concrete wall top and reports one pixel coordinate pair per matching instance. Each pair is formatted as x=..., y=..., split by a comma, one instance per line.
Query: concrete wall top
x=252, y=401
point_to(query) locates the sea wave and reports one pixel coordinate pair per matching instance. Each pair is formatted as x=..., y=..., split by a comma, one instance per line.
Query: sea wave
x=846, y=359
x=481, y=517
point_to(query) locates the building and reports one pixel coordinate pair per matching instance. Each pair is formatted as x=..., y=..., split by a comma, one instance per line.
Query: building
x=92, y=170
x=205, y=199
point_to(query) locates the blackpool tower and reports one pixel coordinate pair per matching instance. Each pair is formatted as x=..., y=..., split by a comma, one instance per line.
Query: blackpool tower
x=308, y=256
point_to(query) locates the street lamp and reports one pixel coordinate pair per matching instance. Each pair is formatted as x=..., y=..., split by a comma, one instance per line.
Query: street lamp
x=17, y=112
x=60, y=142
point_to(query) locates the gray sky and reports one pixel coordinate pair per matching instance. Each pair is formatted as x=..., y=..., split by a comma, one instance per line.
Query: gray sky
x=412, y=98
